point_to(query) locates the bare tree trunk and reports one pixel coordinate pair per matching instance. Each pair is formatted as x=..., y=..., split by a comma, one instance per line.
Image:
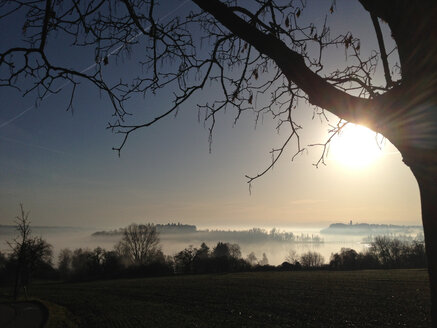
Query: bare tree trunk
x=426, y=176
x=17, y=282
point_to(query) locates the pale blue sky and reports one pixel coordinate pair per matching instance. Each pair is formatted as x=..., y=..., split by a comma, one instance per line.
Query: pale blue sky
x=62, y=168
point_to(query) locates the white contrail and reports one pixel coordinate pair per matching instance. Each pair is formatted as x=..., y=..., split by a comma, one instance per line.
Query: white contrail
x=16, y=117
x=90, y=67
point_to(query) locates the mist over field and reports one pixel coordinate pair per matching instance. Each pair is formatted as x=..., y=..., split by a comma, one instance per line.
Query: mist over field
x=171, y=243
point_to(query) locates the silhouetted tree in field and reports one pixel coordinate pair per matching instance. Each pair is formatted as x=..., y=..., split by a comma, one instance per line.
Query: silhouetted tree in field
x=349, y=259
x=85, y=264
x=346, y=259
x=255, y=48
x=292, y=257
x=65, y=263
x=3, y=260
x=203, y=251
x=290, y=266
x=394, y=253
x=140, y=243
x=112, y=264
x=29, y=254
x=311, y=260
x=225, y=257
x=202, y=259
x=234, y=250
x=387, y=250
x=416, y=255
x=264, y=260
x=252, y=259
x=138, y=254
x=384, y=252
x=184, y=260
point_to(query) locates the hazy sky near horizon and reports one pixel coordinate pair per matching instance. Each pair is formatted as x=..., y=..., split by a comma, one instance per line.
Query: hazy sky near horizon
x=61, y=167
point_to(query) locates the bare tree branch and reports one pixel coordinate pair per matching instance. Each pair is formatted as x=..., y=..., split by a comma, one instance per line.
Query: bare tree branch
x=292, y=65
x=382, y=50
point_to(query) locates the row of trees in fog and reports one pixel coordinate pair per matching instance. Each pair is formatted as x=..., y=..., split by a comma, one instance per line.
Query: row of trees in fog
x=384, y=252
x=251, y=235
x=139, y=254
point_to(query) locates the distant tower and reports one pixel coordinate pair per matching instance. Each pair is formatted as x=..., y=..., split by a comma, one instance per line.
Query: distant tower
x=350, y=223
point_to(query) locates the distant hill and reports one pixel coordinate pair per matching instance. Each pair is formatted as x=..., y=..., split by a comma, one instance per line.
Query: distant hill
x=169, y=228
x=366, y=229
x=186, y=232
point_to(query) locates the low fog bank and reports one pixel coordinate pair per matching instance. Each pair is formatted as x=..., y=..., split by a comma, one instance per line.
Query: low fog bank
x=276, y=251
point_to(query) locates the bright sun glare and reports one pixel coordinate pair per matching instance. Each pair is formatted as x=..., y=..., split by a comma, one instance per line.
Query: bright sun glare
x=356, y=147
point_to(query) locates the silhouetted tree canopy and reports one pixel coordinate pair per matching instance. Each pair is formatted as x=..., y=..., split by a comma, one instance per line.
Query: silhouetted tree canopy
x=140, y=243
x=30, y=254
x=311, y=260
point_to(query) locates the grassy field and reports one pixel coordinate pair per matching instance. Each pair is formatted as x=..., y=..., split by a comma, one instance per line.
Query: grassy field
x=390, y=298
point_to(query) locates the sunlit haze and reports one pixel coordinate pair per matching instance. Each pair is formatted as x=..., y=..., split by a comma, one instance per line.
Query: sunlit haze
x=357, y=147
x=61, y=165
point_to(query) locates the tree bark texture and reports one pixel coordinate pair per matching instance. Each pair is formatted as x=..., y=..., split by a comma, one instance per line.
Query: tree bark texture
x=426, y=176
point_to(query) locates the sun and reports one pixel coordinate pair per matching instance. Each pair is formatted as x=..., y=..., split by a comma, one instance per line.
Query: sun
x=356, y=147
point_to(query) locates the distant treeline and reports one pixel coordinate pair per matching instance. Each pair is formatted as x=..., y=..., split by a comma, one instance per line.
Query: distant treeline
x=258, y=235
x=85, y=264
x=254, y=235
x=369, y=229
x=138, y=253
x=409, y=238
x=168, y=228
x=384, y=252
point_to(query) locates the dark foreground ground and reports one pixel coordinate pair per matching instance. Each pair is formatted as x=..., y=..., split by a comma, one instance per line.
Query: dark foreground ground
x=22, y=315
x=383, y=298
